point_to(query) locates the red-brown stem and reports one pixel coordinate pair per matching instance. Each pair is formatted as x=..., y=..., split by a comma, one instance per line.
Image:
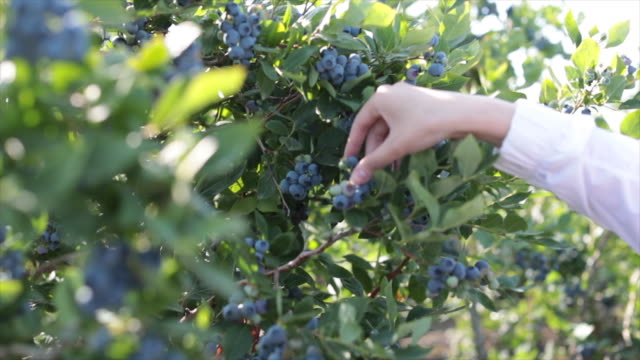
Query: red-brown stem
x=397, y=271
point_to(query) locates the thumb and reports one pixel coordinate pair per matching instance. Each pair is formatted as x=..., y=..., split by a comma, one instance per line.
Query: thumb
x=383, y=155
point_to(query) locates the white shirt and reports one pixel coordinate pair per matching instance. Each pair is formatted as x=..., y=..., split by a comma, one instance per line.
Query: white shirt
x=595, y=171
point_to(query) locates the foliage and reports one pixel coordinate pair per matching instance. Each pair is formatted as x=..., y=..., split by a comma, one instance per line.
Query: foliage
x=131, y=179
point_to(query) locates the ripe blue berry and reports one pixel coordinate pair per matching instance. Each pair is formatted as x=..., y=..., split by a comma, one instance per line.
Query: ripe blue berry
x=236, y=53
x=247, y=42
x=447, y=264
x=292, y=176
x=254, y=19
x=355, y=58
x=231, y=312
x=244, y=29
x=473, y=273
x=631, y=69
x=261, y=306
x=313, y=169
x=226, y=26
x=297, y=191
x=329, y=52
x=440, y=57
x=436, y=69
x=435, y=40
x=362, y=69
x=356, y=30
x=434, y=271
x=586, y=111
x=340, y=202
x=482, y=266
x=459, y=271
x=248, y=309
x=261, y=246
x=241, y=19
x=328, y=62
x=233, y=9
x=313, y=323
x=351, y=69
x=250, y=241
x=284, y=186
x=435, y=286
x=341, y=60
x=351, y=162
x=301, y=167
x=316, y=180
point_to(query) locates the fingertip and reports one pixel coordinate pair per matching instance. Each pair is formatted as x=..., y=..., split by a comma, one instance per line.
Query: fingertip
x=360, y=175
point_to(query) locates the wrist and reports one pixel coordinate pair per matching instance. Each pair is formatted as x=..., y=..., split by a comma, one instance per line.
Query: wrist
x=486, y=118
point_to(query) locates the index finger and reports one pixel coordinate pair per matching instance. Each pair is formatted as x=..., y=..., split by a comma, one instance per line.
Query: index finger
x=364, y=120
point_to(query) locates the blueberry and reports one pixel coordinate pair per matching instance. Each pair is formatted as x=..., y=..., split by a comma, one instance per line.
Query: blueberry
x=249, y=241
x=256, y=30
x=347, y=29
x=447, y=264
x=472, y=273
x=313, y=169
x=351, y=69
x=292, y=176
x=350, y=77
x=631, y=69
x=328, y=62
x=356, y=30
x=329, y=52
x=231, y=38
x=313, y=353
x=362, y=69
x=337, y=79
x=435, y=286
x=261, y=246
x=435, y=40
x=482, y=266
x=261, y=306
x=233, y=9
x=459, y=271
x=568, y=109
x=301, y=167
x=348, y=189
x=320, y=67
x=259, y=256
x=304, y=180
x=226, y=26
x=358, y=196
x=351, y=162
x=586, y=111
x=436, y=69
x=355, y=58
x=131, y=27
x=248, y=309
x=240, y=19
x=440, y=57
x=254, y=19
x=412, y=74
x=341, y=60
x=434, y=272
x=297, y=191
x=626, y=60
x=231, y=312
x=284, y=186
x=338, y=69
x=340, y=202
x=277, y=335
x=313, y=323
x=316, y=180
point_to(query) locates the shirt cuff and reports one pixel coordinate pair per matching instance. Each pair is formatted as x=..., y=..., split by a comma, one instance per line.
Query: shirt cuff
x=537, y=137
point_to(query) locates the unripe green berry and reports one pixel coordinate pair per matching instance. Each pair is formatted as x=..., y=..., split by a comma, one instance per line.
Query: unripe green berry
x=452, y=281
x=335, y=190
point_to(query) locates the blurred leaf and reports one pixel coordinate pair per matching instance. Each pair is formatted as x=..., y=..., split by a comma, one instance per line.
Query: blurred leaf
x=379, y=15
x=350, y=331
x=549, y=92
x=153, y=55
x=205, y=89
x=513, y=223
x=618, y=33
x=587, y=55
x=298, y=57
x=425, y=198
x=469, y=155
x=110, y=13
x=572, y=28
x=459, y=215
x=392, y=308
x=631, y=124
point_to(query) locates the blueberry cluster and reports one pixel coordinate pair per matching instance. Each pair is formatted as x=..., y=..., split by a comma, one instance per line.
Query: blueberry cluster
x=435, y=41
x=12, y=265
x=347, y=195
x=49, y=240
x=136, y=28
x=338, y=68
x=302, y=178
x=451, y=273
x=535, y=261
x=261, y=247
x=46, y=29
x=272, y=344
x=247, y=310
x=630, y=68
x=112, y=272
x=412, y=73
x=352, y=30
x=154, y=348
x=240, y=33
x=437, y=68
x=417, y=223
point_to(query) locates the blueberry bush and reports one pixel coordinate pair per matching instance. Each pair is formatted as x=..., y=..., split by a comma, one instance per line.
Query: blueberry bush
x=171, y=186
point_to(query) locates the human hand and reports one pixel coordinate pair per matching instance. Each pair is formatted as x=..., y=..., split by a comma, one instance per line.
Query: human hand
x=402, y=119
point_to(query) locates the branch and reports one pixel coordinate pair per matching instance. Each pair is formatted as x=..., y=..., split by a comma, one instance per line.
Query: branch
x=478, y=336
x=273, y=177
x=52, y=264
x=397, y=271
x=26, y=351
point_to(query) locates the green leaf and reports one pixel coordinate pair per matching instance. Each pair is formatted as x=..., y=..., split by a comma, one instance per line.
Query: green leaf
x=549, y=92
x=205, y=89
x=417, y=289
x=631, y=124
x=379, y=15
x=268, y=70
x=572, y=28
x=483, y=299
x=618, y=33
x=615, y=88
x=587, y=55
x=357, y=218
x=424, y=197
x=110, y=13
x=237, y=340
x=152, y=56
x=392, y=308
x=297, y=58
x=446, y=186
x=349, y=329
x=457, y=216
x=469, y=155
x=513, y=223
x=277, y=127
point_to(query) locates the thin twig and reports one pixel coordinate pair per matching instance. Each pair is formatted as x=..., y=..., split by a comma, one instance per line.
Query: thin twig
x=273, y=177
x=397, y=271
x=478, y=335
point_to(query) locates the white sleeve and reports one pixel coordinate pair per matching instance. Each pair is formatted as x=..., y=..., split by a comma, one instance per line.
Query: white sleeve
x=595, y=171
